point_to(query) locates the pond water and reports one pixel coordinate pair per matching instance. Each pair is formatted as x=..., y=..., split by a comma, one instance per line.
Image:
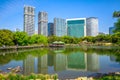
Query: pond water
x=66, y=62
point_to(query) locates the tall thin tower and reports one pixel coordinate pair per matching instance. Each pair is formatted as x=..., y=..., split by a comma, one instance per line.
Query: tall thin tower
x=43, y=23
x=29, y=21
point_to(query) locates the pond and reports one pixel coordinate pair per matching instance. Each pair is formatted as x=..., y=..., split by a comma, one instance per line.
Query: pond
x=68, y=63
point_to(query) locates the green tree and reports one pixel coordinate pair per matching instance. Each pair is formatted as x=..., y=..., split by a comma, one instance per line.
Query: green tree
x=53, y=38
x=88, y=39
x=32, y=39
x=116, y=14
x=116, y=38
x=21, y=38
x=6, y=37
x=117, y=25
x=40, y=39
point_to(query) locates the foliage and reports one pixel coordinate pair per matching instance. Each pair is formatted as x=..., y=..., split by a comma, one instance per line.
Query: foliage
x=116, y=14
x=53, y=38
x=6, y=37
x=89, y=39
x=111, y=77
x=65, y=39
x=20, y=38
x=117, y=26
x=21, y=55
x=13, y=76
x=38, y=39
x=116, y=38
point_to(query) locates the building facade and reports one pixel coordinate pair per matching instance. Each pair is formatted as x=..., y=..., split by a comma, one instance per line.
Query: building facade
x=60, y=28
x=111, y=29
x=92, y=26
x=76, y=27
x=43, y=23
x=29, y=22
x=50, y=29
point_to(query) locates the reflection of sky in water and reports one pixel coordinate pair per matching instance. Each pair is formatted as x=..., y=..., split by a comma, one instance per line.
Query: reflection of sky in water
x=106, y=65
x=69, y=65
x=11, y=64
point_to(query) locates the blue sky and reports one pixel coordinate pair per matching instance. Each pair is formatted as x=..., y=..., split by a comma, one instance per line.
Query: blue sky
x=11, y=11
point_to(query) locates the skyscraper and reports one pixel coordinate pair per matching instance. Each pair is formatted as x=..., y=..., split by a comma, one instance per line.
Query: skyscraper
x=50, y=29
x=92, y=26
x=76, y=27
x=60, y=27
x=43, y=23
x=29, y=23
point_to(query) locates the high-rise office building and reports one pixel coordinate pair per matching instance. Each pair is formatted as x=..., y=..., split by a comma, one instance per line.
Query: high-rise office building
x=92, y=26
x=43, y=23
x=111, y=29
x=50, y=29
x=76, y=27
x=29, y=23
x=60, y=28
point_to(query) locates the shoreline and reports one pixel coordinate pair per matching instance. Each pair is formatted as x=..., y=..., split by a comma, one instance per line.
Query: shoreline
x=66, y=45
x=94, y=76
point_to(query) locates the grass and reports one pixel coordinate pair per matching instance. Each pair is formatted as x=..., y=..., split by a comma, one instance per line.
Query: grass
x=115, y=77
x=13, y=76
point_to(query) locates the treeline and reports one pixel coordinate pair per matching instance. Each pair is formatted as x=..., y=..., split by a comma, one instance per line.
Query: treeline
x=9, y=38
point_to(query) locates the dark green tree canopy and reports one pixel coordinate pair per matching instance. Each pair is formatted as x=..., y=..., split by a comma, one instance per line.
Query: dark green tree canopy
x=116, y=14
x=117, y=26
x=6, y=37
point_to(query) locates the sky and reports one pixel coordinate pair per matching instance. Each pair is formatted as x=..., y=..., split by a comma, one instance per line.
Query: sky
x=11, y=11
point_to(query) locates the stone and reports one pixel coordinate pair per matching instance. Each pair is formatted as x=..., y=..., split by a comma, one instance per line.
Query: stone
x=81, y=78
x=118, y=73
x=9, y=68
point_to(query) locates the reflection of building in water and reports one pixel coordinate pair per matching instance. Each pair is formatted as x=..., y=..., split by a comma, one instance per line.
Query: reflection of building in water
x=28, y=65
x=77, y=61
x=92, y=62
x=42, y=64
x=113, y=58
x=59, y=62
x=50, y=59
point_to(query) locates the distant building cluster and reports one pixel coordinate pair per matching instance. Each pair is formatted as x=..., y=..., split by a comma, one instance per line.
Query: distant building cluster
x=111, y=29
x=75, y=27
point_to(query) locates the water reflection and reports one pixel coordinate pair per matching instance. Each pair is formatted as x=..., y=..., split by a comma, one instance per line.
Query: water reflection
x=61, y=61
x=113, y=58
x=92, y=62
x=28, y=65
x=43, y=64
x=76, y=61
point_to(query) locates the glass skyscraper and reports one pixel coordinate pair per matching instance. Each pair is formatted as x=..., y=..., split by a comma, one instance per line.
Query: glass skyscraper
x=111, y=29
x=29, y=23
x=50, y=29
x=76, y=27
x=43, y=23
x=60, y=27
x=92, y=26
